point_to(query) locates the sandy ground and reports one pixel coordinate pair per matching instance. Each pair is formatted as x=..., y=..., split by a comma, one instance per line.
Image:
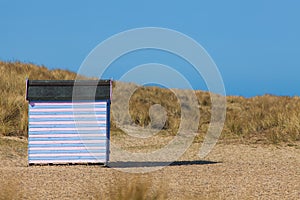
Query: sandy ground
x=231, y=171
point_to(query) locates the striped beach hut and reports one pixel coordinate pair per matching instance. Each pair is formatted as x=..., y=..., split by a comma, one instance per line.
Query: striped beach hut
x=69, y=121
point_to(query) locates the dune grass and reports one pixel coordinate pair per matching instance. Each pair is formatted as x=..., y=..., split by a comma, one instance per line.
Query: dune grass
x=131, y=187
x=267, y=119
x=13, y=107
x=263, y=119
x=134, y=188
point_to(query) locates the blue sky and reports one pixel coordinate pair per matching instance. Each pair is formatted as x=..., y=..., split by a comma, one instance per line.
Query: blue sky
x=255, y=44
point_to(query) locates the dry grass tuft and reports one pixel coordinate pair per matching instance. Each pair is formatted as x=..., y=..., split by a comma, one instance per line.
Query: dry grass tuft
x=130, y=187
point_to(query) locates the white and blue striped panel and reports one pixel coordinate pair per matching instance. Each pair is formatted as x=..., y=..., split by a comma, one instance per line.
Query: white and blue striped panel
x=68, y=132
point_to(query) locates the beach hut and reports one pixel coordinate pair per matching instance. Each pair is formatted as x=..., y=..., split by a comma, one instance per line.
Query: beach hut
x=69, y=121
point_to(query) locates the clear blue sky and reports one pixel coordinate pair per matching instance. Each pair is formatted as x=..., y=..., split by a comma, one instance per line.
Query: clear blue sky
x=255, y=44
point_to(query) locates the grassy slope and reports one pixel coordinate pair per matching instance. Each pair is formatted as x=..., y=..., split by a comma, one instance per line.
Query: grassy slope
x=266, y=118
x=13, y=107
